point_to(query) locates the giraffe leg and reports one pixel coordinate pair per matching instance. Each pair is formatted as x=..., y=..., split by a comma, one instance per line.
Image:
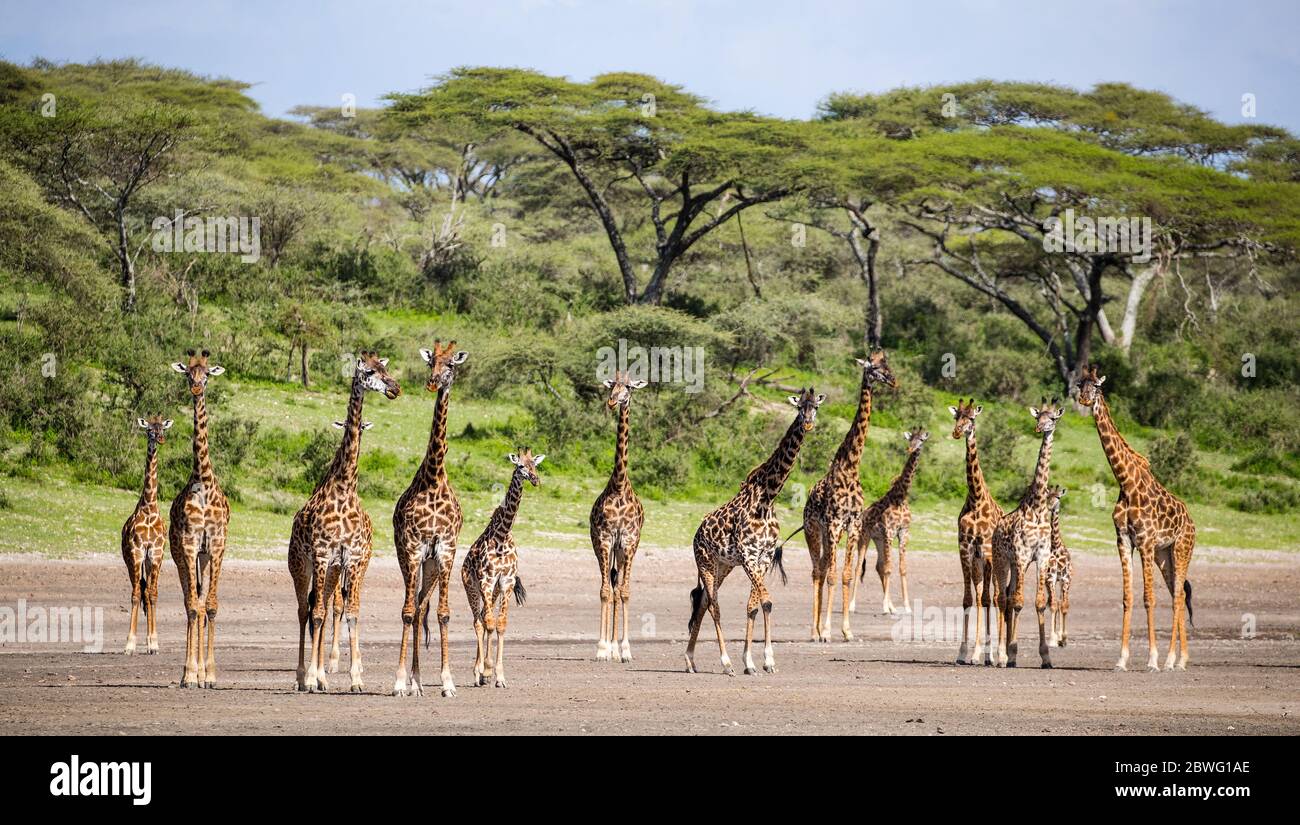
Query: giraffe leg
x=1175, y=575
x=968, y=599
x=830, y=541
x=1126, y=570
x=1063, y=604
x=410, y=568
x=1040, y=605
x=1015, y=602
x=884, y=566
x=506, y=596
x=352, y=610
x=603, y=558
x=336, y=619
x=751, y=613
x=487, y=593
x=187, y=567
x=1000, y=585
x=1147, y=557
x=846, y=582
x=444, y=622
x=699, y=603
x=217, y=546
x=984, y=570
x=1182, y=590
x=427, y=571
x=812, y=537
x=904, y=535
x=765, y=599
x=133, y=570
x=624, y=594
x=326, y=576
x=151, y=600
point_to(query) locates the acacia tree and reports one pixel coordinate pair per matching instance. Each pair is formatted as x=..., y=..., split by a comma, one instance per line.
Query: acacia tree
x=641, y=150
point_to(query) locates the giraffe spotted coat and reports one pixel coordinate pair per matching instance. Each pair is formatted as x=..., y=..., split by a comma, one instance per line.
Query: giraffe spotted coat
x=143, y=537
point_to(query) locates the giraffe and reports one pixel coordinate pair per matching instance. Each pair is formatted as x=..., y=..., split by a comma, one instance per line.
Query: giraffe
x=143, y=536
x=199, y=516
x=1149, y=520
x=979, y=515
x=744, y=532
x=426, y=527
x=835, y=504
x=332, y=537
x=1024, y=536
x=890, y=518
x=1059, y=569
x=336, y=601
x=490, y=573
x=616, y=519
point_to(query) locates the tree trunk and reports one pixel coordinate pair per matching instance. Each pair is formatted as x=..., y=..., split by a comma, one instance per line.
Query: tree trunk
x=1128, y=326
x=288, y=368
x=124, y=260
x=875, y=324
x=305, y=378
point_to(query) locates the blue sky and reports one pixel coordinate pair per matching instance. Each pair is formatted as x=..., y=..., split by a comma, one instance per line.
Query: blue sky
x=778, y=58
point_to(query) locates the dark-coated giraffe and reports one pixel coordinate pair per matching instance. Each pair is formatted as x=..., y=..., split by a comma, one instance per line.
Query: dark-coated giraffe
x=1023, y=537
x=426, y=528
x=616, y=520
x=1059, y=570
x=744, y=533
x=143, y=537
x=332, y=538
x=197, y=536
x=490, y=573
x=835, y=506
x=979, y=515
x=1149, y=520
x=889, y=519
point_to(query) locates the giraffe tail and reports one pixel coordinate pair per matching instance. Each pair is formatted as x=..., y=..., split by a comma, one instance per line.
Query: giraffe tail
x=615, y=552
x=697, y=602
x=521, y=595
x=1187, y=595
x=425, y=623
x=779, y=564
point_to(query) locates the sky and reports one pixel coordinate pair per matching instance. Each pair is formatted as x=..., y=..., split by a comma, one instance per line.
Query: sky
x=776, y=58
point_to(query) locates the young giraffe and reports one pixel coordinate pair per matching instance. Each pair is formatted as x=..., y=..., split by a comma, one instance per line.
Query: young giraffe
x=890, y=517
x=744, y=532
x=835, y=505
x=616, y=520
x=979, y=515
x=426, y=527
x=143, y=536
x=336, y=601
x=332, y=537
x=1148, y=519
x=1059, y=568
x=1024, y=536
x=490, y=573
x=199, y=516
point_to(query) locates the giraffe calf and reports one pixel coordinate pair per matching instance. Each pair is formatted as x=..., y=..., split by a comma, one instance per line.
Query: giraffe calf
x=143, y=537
x=1059, y=568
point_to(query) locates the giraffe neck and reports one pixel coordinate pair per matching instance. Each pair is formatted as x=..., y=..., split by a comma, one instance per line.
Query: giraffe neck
x=1056, y=528
x=202, y=460
x=149, y=495
x=619, y=478
x=503, y=517
x=1036, y=496
x=343, y=470
x=770, y=476
x=849, y=456
x=433, y=470
x=1118, y=452
x=903, y=483
x=976, y=489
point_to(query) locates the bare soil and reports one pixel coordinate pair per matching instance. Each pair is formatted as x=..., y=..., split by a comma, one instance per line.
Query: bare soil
x=872, y=685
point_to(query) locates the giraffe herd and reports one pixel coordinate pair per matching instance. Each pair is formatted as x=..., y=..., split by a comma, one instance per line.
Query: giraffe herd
x=331, y=543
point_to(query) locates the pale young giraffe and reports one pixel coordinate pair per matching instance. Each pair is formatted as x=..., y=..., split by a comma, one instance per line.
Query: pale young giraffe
x=332, y=538
x=1059, y=570
x=889, y=518
x=336, y=601
x=835, y=506
x=1149, y=520
x=616, y=520
x=744, y=533
x=490, y=573
x=979, y=515
x=143, y=537
x=1023, y=537
x=197, y=536
x=426, y=528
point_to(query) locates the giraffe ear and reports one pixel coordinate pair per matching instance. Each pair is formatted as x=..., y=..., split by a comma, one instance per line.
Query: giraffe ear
x=179, y=367
x=537, y=460
x=167, y=425
x=638, y=385
x=978, y=410
x=861, y=363
x=1033, y=411
x=820, y=399
x=794, y=399
x=514, y=459
x=367, y=425
x=383, y=362
x=215, y=370
x=340, y=424
x=1059, y=413
x=427, y=355
x=1101, y=380
x=609, y=383
x=925, y=436
x=144, y=425
x=907, y=436
x=459, y=358
x=1062, y=493
x=953, y=410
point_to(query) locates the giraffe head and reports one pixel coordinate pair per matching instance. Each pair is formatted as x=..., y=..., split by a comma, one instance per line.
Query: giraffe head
x=1088, y=388
x=620, y=390
x=915, y=440
x=1046, y=416
x=807, y=403
x=372, y=371
x=442, y=361
x=875, y=369
x=197, y=370
x=1054, y=495
x=154, y=427
x=526, y=465
x=964, y=417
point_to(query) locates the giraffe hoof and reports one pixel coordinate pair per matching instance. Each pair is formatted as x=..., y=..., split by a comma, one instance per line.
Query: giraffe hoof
x=769, y=668
x=448, y=692
x=357, y=688
x=848, y=637
x=480, y=680
x=1153, y=668
x=1046, y=665
x=1062, y=642
x=332, y=667
x=153, y=650
x=729, y=670
x=211, y=684
x=190, y=684
x=749, y=671
x=416, y=689
x=1121, y=668
x=500, y=682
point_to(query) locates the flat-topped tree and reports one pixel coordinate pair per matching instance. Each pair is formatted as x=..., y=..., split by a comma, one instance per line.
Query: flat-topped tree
x=634, y=144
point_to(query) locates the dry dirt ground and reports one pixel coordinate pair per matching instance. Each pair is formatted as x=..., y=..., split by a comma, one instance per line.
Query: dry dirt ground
x=872, y=685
